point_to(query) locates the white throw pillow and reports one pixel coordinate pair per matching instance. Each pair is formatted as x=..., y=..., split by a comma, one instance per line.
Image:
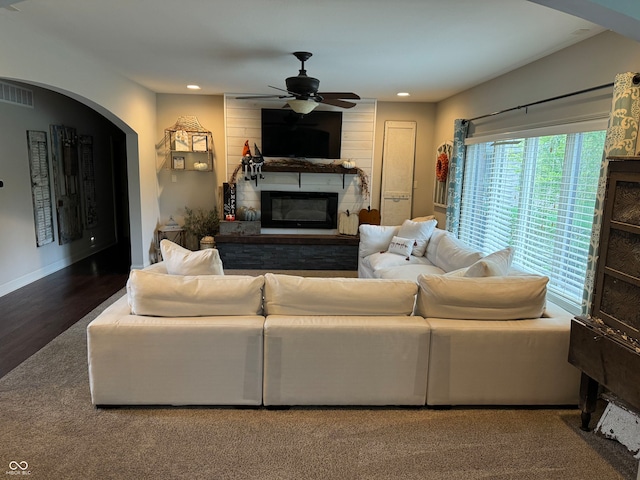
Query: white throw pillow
x=495, y=264
x=180, y=261
x=375, y=238
x=424, y=219
x=461, y=272
x=401, y=246
x=451, y=254
x=163, y=295
x=487, y=298
x=420, y=231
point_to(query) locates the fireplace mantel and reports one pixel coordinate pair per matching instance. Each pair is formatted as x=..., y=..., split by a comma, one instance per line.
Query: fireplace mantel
x=311, y=168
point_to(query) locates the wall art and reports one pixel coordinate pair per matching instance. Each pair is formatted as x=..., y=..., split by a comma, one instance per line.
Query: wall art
x=40, y=186
x=66, y=179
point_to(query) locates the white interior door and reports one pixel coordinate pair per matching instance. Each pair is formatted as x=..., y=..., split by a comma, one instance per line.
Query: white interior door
x=398, y=156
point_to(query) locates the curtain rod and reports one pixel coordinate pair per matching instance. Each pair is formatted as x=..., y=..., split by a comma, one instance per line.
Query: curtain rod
x=636, y=81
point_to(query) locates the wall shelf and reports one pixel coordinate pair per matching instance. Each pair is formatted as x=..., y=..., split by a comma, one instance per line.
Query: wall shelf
x=188, y=145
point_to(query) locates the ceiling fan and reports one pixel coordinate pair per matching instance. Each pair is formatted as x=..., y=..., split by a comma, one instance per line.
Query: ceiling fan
x=303, y=90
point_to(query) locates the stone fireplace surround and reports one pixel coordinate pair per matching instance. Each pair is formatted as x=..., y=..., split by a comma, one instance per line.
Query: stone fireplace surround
x=288, y=252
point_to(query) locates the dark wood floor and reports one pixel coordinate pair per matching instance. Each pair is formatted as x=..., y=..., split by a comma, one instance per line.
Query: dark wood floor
x=34, y=315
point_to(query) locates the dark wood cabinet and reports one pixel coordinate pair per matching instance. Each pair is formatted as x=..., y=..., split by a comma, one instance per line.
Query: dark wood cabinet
x=605, y=345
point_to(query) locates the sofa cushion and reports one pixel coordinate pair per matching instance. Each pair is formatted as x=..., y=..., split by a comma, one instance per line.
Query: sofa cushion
x=180, y=261
x=401, y=246
x=452, y=254
x=420, y=231
x=408, y=272
x=375, y=238
x=293, y=295
x=164, y=295
x=386, y=260
x=493, y=265
x=487, y=298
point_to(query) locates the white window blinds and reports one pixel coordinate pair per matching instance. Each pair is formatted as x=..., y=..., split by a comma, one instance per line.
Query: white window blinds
x=536, y=194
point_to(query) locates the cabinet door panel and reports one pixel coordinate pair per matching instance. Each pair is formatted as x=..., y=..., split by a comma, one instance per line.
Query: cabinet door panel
x=620, y=300
x=623, y=253
x=626, y=204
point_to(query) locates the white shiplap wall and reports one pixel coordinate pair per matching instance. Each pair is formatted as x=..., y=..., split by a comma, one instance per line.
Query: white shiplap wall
x=242, y=122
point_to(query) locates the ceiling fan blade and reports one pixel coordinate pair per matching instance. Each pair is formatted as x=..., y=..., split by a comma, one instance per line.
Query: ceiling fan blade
x=347, y=95
x=281, y=89
x=337, y=103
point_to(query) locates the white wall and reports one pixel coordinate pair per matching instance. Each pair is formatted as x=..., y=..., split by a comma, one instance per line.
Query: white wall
x=34, y=57
x=191, y=189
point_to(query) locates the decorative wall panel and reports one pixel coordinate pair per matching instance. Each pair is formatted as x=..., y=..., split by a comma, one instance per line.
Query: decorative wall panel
x=40, y=186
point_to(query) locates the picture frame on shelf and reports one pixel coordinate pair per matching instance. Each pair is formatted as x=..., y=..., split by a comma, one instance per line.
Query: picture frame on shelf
x=178, y=163
x=181, y=141
x=199, y=143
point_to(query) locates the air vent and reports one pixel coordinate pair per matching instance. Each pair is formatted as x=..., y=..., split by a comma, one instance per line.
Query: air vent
x=16, y=95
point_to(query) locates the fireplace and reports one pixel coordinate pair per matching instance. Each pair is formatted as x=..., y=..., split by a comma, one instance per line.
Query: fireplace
x=299, y=209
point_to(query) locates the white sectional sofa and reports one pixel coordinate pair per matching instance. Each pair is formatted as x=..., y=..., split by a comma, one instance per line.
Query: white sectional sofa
x=441, y=252
x=276, y=340
x=173, y=340
x=326, y=341
x=494, y=337
x=331, y=341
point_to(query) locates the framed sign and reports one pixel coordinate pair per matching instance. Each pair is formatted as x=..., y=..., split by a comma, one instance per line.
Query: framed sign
x=199, y=143
x=181, y=141
x=178, y=163
x=229, y=199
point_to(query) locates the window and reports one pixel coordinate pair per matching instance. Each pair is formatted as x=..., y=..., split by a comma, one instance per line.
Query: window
x=536, y=194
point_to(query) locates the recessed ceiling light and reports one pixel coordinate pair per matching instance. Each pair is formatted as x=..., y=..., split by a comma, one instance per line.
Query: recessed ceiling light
x=193, y=87
x=403, y=94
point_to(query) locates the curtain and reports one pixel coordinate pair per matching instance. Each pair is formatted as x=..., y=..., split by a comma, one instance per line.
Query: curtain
x=456, y=174
x=622, y=140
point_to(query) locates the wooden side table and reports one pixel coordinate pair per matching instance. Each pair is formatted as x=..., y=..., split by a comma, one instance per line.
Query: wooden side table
x=172, y=232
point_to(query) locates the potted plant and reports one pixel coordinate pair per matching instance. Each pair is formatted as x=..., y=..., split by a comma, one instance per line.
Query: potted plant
x=200, y=223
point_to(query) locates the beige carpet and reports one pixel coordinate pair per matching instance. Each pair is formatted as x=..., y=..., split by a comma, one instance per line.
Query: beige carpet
x=47, y=420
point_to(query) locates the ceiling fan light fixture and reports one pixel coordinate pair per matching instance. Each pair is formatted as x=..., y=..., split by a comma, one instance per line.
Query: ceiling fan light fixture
x=302, y=106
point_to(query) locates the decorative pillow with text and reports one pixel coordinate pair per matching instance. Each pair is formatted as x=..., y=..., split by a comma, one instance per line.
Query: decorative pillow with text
x=401, y=246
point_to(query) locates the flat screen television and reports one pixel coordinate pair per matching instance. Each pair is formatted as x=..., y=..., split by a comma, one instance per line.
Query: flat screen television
x=290, y=135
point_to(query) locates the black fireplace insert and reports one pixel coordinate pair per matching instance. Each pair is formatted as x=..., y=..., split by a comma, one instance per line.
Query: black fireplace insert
x=299, y=209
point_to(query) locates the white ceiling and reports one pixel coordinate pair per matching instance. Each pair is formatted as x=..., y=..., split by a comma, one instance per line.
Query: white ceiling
x=376, y=48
